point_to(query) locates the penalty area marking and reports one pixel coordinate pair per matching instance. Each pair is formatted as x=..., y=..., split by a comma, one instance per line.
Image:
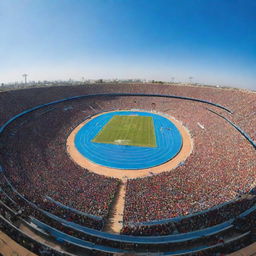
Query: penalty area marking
x=125, y=174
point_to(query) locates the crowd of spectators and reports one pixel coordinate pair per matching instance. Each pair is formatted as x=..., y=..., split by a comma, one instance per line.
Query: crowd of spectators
x=38, y=247
x=14, y=209
x=28, y=242
x=218, y=241
x=221, y=167
x=39, y=168
x=192, y=222
x=212, y=240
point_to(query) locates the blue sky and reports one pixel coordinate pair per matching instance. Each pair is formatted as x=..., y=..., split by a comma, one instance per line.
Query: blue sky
x=212, y=40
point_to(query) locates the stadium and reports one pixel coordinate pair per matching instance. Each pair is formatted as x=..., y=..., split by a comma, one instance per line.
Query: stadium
x=128, y=169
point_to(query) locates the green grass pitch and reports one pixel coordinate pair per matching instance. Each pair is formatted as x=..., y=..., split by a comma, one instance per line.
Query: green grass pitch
x=128, y=130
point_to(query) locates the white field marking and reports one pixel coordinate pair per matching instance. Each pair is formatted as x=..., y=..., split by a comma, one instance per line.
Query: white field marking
x=200, y=125
x=122, y=141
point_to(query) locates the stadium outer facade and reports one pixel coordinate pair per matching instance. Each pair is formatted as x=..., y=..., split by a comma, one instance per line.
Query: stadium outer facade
x=234, y=108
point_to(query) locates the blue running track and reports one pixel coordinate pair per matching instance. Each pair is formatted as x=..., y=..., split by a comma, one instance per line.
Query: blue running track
x=168, y=138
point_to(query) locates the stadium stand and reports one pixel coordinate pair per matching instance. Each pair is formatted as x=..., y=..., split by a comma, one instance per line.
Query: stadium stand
x=206, y=206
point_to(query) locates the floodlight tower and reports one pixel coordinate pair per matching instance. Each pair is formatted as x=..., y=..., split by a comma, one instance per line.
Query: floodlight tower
x=25, y=77
x=190, y=79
